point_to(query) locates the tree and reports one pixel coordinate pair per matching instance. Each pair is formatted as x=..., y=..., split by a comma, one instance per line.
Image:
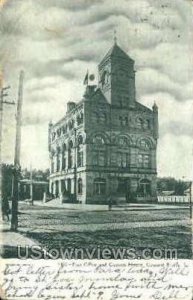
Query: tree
x=171, y=184
x=7, y=180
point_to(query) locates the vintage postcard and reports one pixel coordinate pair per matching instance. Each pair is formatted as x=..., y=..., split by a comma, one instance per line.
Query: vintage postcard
x=96, y=149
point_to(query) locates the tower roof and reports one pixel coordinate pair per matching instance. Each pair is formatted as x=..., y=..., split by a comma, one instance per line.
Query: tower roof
x=116, y=51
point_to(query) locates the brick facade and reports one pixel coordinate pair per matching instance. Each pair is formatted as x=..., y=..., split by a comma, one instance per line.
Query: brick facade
x=105, y=146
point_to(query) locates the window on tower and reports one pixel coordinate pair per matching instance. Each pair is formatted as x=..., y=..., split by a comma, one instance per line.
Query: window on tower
x=139, y=123
x=147, y=124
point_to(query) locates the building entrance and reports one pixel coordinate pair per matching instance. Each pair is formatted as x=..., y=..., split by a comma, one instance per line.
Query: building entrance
x=123, y=190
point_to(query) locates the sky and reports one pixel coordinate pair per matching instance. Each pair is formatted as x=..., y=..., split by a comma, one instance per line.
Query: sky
x=55, y=42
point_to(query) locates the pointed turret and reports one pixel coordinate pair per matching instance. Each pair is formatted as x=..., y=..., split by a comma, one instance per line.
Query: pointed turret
x=117, y=77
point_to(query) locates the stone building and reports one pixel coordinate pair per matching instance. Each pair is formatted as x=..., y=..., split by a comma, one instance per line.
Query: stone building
x=105, y=146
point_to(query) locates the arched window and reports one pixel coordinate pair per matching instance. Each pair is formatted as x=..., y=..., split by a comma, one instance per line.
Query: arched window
x=147, y=124
x=144, y=144
x=123, y=120
x=80, y=186
x=80, y=151
x=58, y=159
x=98, y=140
x=71, y=124
x=52, y=166
x=80, y=140
x=70, y=158
x=59, y=131
x=64, y=157
x=64, y=129
x=99, y=186
x=102, y=118
x=139, y=123
x=79, y=119
x=105, y=77
x=123, y=141
x=53, y=136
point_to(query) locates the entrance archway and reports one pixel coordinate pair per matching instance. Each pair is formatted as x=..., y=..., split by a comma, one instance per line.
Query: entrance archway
x=123, y=189
x=144, y=188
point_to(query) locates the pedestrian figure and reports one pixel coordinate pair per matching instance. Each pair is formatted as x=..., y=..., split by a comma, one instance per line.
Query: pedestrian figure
x=5, y=208
x=110, y=202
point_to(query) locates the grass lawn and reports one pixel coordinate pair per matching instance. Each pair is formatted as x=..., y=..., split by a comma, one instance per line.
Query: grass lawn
x=139, y=238
x=40, y=216
x=168, y=237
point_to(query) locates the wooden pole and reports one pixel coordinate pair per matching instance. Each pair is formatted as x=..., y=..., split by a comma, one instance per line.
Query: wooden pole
x=14, y=218
x=190, y=200
x=31, y=185
x=1, y=125
x=75, y=167
x=3, y=94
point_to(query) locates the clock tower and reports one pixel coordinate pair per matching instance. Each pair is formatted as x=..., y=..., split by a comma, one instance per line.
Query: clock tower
x=117, y=78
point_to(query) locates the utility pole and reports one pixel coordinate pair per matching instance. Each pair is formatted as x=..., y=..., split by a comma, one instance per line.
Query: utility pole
x=75, y=166
x=16, y=175
x=31, y=186
x=3, y=94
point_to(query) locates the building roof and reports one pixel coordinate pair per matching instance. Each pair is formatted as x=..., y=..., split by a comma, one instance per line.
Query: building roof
x=116, y=51
x=99, y=97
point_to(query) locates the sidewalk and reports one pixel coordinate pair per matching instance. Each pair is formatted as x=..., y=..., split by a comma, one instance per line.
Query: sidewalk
x=9, y=241
x=93, y=207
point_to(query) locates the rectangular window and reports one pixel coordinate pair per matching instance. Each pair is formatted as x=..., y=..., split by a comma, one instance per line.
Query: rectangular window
x=144, y=160
x=99, y=188
x=80, y=159
x=99, y=157
x=122, y=159
x=64, y=163
x=70, y=161
x=140, y=160
x=58, y=164
x=52, y=166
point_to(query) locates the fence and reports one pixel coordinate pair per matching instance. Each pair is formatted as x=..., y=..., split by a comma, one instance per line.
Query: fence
x=173, y=199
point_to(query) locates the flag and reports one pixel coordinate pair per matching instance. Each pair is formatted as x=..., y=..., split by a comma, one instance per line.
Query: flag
x=86, y=79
